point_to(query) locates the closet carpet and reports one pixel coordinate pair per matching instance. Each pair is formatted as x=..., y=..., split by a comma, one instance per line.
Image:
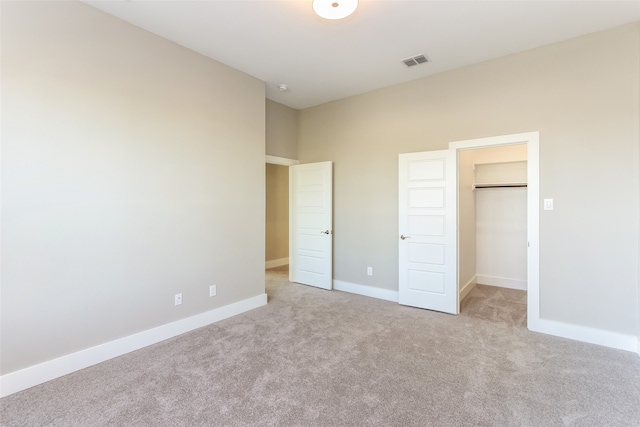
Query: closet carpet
x=318, y=358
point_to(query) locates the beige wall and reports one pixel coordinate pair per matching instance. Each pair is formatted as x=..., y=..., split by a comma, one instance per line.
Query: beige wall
x=132, y=169
x=277, y=237
x=282, y=130
x=501, y=237
x=509, y=153
x=583, y=97
x=466, y=221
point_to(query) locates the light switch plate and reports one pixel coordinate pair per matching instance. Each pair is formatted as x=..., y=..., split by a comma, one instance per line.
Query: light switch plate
x=548, y=204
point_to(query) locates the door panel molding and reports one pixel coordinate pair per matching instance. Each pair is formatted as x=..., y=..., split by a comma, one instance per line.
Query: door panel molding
x=311, y=224
x=427, y=260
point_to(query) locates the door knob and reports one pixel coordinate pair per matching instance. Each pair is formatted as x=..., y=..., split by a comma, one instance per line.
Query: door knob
x=403, y=237
x=326, y=232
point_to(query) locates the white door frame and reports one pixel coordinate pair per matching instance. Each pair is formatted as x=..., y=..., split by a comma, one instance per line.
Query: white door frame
x=532, y=139
x=283, y=161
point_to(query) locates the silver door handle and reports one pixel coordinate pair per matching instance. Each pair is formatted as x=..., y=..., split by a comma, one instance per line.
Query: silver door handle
x=403, y=237
x=326, y=232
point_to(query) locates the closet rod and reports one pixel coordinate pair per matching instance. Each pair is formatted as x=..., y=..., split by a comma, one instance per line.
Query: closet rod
x=499, y=185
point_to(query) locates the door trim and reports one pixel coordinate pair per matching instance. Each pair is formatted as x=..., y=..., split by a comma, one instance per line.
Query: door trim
x=283, y=161
x=532, y=139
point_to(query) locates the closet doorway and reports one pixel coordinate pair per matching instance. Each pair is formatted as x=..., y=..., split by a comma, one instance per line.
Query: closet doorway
x=492, y=220
x=498, y=223
x=277, y=211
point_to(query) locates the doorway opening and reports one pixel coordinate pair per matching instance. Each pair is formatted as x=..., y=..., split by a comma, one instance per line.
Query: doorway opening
x=277, y=212
x=277, y=216
x=492, y=198
x=492, y=233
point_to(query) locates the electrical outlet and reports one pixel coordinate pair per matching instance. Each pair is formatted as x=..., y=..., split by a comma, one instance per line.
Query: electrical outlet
x=178, y=299
x=369, y=271
x=213, y=290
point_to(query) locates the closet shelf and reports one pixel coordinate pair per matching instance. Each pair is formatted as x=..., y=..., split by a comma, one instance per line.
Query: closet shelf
x=501, y=185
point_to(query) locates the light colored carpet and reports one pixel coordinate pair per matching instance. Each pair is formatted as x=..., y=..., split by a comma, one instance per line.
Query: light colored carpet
x=319, y=358
x=495, y=304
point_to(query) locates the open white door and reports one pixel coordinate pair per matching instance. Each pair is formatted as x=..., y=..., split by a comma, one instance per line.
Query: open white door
x=427, y=231
x=311, y=224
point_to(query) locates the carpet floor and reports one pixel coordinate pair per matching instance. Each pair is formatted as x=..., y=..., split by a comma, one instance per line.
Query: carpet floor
x=317, y=358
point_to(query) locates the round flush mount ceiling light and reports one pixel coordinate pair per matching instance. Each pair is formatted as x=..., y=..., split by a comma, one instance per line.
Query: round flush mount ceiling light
x=334, y=9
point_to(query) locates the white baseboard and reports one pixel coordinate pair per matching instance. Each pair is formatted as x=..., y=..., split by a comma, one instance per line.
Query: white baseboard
x=368, y=291
x=464, y=291
x=550, y=327
x=587, y=334
x=502, y=282
x=276, y=263
x=51, y=369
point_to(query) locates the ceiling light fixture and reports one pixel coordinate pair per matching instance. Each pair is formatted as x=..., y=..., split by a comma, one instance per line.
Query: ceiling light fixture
x=334, y=9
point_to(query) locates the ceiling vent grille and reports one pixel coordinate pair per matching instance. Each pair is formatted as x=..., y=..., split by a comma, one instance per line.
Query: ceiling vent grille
x=415, y=60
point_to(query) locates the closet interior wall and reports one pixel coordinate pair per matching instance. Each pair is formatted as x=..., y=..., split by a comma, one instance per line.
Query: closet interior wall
x=277, y=216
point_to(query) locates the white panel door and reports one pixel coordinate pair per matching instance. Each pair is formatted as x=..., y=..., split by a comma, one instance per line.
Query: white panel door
x=427, y=231
x=310, y=224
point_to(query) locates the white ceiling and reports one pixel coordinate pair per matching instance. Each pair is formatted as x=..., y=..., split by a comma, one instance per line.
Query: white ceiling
x=321, y=60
